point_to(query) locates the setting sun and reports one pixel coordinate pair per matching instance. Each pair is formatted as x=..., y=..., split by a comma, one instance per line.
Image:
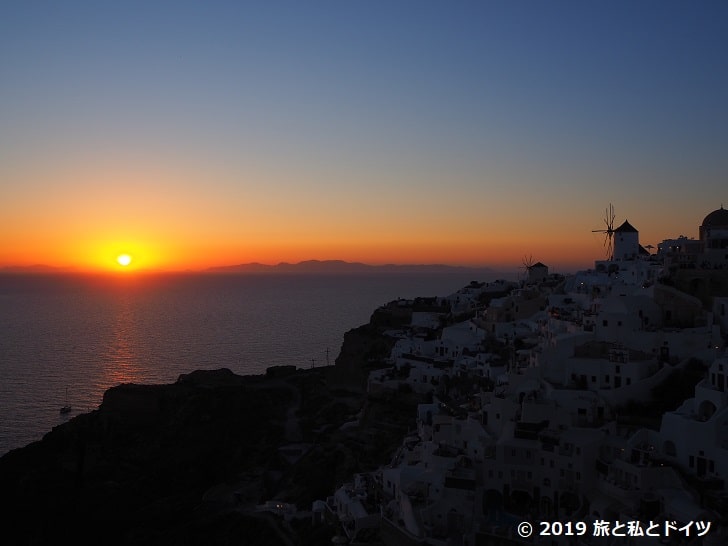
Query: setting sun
x=123, y=259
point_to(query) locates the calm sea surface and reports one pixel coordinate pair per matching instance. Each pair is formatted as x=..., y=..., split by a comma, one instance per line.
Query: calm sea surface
x=70, y=337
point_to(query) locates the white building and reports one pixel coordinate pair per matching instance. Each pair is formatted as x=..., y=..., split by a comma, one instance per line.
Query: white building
x=704, y=421
x=626, y=242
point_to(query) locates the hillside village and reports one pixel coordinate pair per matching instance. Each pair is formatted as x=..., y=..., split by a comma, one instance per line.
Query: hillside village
x=595, y=402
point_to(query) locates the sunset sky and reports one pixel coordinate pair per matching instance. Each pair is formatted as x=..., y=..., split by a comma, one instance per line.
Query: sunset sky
x=197, y=134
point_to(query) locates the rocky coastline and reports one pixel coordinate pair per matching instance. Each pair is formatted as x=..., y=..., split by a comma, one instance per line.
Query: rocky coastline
x=194, y=461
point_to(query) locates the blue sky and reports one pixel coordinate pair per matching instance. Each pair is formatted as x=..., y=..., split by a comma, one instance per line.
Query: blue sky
x=480, y=112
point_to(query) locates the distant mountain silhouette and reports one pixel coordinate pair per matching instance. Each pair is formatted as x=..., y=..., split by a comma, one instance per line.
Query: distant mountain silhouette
x=340, y=266
x=36, y=268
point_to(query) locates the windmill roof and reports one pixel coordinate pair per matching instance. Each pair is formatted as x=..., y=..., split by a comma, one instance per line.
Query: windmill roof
x=539, y=264
x=626, y=227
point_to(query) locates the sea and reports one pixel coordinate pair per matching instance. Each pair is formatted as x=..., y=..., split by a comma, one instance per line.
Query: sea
x=66, y=338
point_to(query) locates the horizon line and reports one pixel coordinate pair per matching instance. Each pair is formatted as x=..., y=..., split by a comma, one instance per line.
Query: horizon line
x=47, y=268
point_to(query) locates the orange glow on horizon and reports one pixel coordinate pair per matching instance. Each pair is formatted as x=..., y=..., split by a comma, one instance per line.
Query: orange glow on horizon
x=192, y=230
x=170, y=256
x=184, y=239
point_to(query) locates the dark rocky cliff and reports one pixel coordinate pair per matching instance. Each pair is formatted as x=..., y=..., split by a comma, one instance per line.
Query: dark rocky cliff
x=187, y=463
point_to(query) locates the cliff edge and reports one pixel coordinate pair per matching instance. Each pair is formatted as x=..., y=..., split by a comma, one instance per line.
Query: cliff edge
x=193, y=462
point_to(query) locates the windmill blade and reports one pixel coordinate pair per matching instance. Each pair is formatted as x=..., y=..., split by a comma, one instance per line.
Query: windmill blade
x=610, y=218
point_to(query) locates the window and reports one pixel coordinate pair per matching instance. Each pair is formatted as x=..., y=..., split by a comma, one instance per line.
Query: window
x=605, y=322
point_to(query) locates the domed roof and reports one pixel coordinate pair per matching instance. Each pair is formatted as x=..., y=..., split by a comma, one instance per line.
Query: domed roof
x=718, y=217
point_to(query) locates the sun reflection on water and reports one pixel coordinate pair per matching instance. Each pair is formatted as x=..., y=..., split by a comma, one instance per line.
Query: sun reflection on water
x=122, y=359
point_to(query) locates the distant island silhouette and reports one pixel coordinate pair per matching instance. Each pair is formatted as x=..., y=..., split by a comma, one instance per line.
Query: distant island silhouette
x=307, y=266
x=36, y=268
x=341, y=266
